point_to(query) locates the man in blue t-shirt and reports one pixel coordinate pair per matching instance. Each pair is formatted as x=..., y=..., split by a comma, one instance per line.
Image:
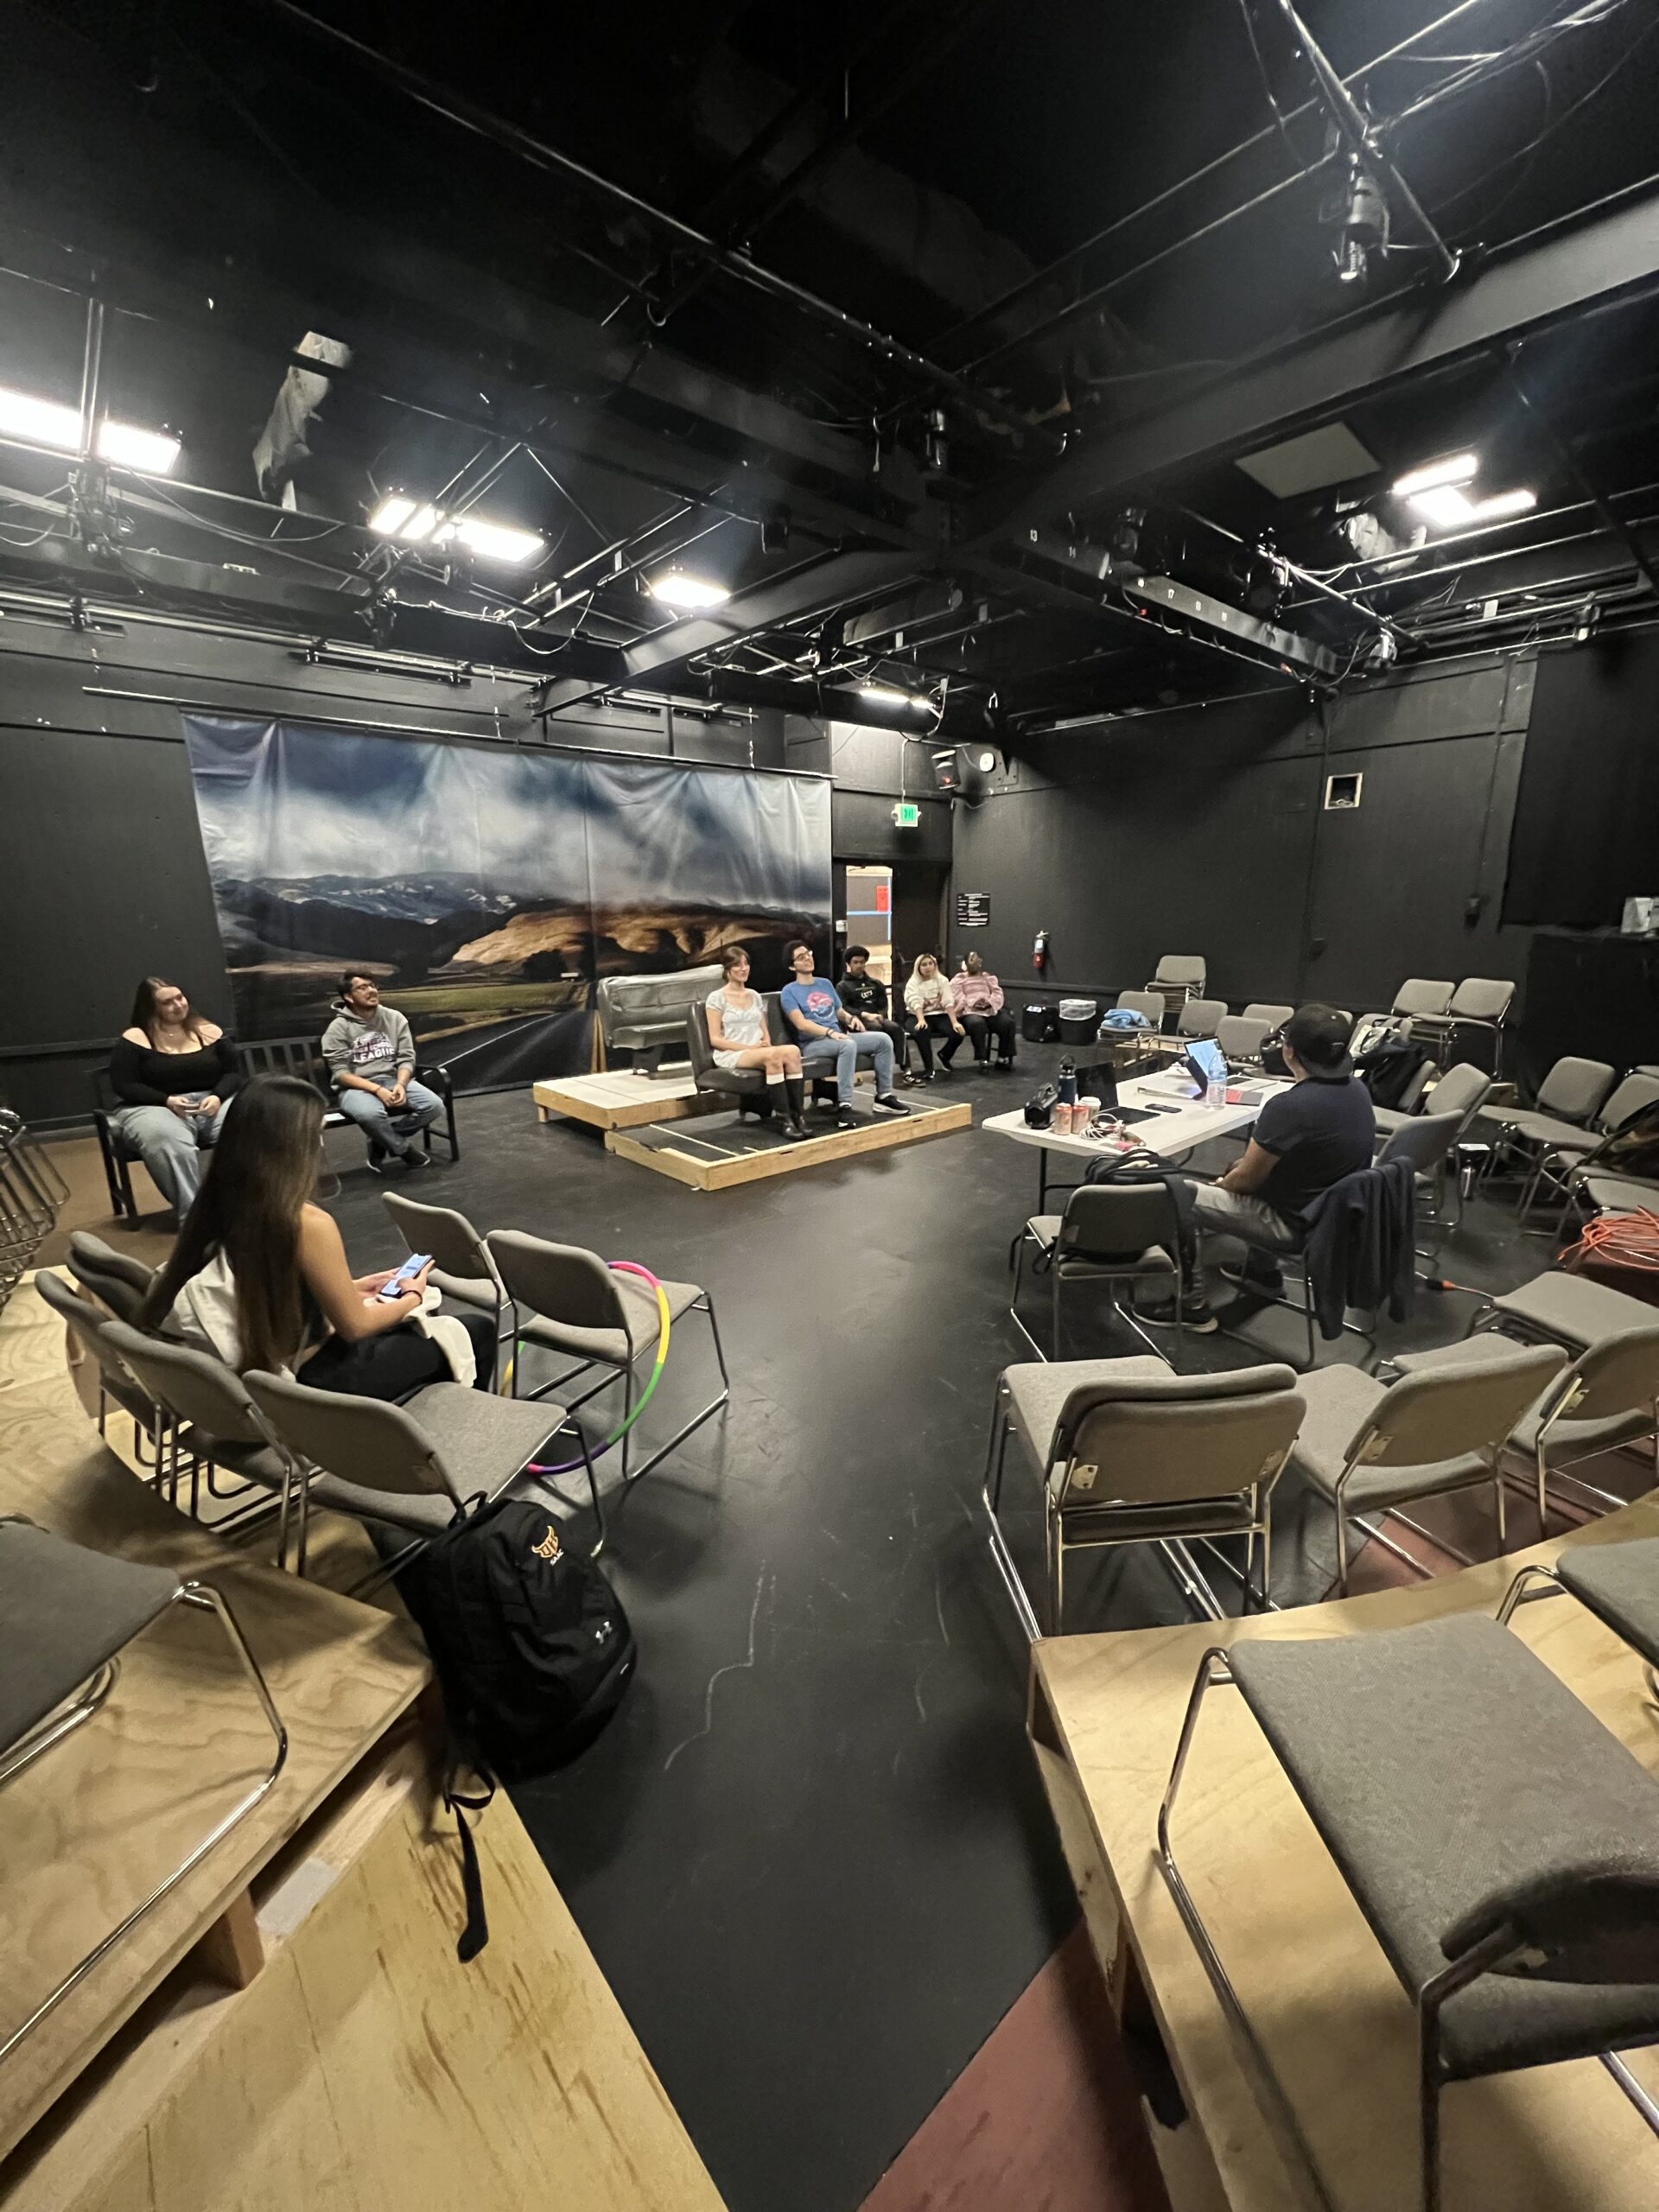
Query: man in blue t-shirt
x=1305, y=1140
x=830, y=1036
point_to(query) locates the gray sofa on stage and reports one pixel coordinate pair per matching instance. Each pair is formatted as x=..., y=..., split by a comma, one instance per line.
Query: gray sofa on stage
x=646, y=1015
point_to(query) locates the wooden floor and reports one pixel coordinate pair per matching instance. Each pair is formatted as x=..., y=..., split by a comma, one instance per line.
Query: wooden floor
x=291, y=2025
x=718, y=1165
x=1105, y=1717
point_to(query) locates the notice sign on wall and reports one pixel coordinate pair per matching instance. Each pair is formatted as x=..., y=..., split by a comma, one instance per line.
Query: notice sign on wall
x=973, y=909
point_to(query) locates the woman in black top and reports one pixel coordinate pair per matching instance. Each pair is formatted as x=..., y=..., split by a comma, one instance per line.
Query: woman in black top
x=173, y=1073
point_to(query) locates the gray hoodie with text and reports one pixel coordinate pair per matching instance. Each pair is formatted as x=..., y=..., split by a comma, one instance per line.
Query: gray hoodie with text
x=374, y=1048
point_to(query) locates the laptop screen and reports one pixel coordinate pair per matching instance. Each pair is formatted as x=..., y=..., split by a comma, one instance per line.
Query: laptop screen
x=1206, y=1063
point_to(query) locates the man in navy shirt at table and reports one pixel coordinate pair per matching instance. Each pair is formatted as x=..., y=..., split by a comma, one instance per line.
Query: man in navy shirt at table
x=830, y=1036
x=1305, y=1140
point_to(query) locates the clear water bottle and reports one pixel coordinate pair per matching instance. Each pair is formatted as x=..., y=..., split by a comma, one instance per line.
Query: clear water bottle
x=1216, y=1090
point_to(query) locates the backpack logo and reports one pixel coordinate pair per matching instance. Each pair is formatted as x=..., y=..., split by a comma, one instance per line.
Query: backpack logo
x=549, y=1547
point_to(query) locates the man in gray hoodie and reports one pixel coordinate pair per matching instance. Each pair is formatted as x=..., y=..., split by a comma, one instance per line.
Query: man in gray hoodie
x=371, y=1055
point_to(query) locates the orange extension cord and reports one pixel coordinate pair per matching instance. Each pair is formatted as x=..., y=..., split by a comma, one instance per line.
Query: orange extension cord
x=1618, y=1240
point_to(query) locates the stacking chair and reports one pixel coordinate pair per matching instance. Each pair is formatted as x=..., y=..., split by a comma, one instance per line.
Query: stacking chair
x=1111, y=1234
x=1559, y=1308
x=1241, y=1036
x=1501, y=1843
x=1306, y=1301
x=1419, y=997
x=1129, y=1452
x=66, y=1616
x=1618, y=1582
x=462, y=1266
x=1365, y=1443
x=1148, y=1004
x=579, y=1308
x=1268, y=1010
x=213, y=1423
x=1200, y=1017
x=1606, y=1398
x=1182, y=973
x=1461, y=1091
x=1569, y=1098
x=121, y=1282
x=1478, y=1002
x=1424, y=1141
x=116, y=1383
x=1571, y=1149
x=418, y=1466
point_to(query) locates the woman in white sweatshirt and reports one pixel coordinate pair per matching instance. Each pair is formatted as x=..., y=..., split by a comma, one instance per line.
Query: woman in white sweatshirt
x=932, y=1013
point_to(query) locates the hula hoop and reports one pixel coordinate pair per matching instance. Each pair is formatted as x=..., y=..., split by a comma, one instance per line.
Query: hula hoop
x=663, y=1324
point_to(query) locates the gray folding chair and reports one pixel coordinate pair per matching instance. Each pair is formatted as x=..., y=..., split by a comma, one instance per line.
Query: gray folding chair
x=1461, y=1091
x=1501, y=1843
x=1200, y=1017
x=121, y=1282
x=1368, y=1444
x=1559, y=1308
x=462, y=1266
x=1268, y=1010
x=1425, y=1142
x=1478, y=1002
x=1240, y=1035
x=1569, y=1098
x=66, y=1616
x=1129, y=1452
x=115, y=1382
x=1110, y=1234
x=1148, y=1004
x=598, y=1318
x=1183, y=972
x=415, y=1466
x=212, y=1423
x=1418, y=995
x=1555, y=1165
x=1618, y=1582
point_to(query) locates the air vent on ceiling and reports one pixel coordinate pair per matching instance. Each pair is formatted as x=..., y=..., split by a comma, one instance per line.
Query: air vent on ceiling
x=1330, y=455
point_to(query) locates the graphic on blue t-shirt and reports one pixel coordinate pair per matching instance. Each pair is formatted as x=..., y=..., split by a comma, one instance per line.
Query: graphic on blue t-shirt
x=819, y=1001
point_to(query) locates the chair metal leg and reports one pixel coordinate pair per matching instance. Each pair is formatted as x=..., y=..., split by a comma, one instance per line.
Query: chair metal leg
x=52, y=1730
x=991, y=1494
x=1519, y=1592
x=704, y=1304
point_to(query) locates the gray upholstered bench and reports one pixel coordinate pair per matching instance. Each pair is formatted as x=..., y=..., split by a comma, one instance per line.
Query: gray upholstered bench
x=646, y=1014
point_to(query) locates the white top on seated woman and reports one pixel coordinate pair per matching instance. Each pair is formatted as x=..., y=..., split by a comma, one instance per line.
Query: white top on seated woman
x=740, y=1038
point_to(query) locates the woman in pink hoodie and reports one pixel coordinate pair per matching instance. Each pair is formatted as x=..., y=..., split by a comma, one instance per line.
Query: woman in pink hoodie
x=977, y=998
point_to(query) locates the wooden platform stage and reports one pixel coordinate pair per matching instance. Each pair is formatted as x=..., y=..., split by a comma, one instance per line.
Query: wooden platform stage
x=748, y=1151
x=1106, y=1714
x=291, y=2026
x=622, y=1100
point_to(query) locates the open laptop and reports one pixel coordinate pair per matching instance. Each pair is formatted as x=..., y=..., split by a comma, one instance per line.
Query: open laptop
x=1102, y=1083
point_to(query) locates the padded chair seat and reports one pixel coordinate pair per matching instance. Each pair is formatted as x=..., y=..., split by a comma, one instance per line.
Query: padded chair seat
x=1619, y=1583
x=476, y=1292
x=1568, y=1439
x=1621, y=1194
x=638, y=1304
x=1203, y=1516
x=64, y=1611
x=1154, y=1263
x=1440, y=1763
x=483, y=1439
x=1533, y=1128
x=1043, y=1230
x=1389, y=1118
x=1039, y=1388
x=1572, y=1309
x=1339, y=1399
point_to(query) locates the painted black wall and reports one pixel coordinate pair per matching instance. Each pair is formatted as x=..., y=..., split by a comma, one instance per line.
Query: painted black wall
x=1202, y=830
x=102, y=876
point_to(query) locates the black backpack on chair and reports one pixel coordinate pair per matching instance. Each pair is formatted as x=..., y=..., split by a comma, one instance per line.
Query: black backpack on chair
x=532, y=1649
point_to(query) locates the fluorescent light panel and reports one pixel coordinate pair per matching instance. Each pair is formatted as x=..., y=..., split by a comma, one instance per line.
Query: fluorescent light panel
x=676, y=590
x=48, y=422
x=1458, y=468
x=419, y=523
x=1449, y=508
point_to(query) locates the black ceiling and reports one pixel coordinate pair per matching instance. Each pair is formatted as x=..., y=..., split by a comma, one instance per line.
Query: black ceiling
x=962, y=312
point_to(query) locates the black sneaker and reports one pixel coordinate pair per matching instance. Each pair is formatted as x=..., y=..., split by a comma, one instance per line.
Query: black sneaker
x=845, y=1118
x=912, y=1082
x=379, y=1159
x=1195, y=1314
x=1267, y=1282
x=414, y=1157
x=888, y=1101
x=1007, y=1066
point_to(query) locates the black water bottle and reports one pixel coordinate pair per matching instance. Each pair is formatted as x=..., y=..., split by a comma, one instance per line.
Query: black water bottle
x=1068, y=1084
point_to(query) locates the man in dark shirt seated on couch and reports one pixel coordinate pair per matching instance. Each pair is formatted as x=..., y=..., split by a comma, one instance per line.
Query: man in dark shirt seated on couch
x=865, y=995
x=1305, y=1140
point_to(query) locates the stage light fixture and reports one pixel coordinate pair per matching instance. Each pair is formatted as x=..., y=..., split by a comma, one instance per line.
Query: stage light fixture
x=494, y=541
x=1448, y=507
x=48, y=422
x=1363, y=213
x=676, y=590
x=389, y=517
x=889, y=695
x=1458, y=468
x=417, y=523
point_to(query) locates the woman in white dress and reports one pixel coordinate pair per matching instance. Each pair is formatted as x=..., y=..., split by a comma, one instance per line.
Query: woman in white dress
x=741, y=1039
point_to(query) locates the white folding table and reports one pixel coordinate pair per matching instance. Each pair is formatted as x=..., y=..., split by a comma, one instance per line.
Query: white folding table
x=1176, y=1122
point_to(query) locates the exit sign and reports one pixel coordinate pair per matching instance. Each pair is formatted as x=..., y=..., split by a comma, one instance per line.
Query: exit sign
x=907, y=815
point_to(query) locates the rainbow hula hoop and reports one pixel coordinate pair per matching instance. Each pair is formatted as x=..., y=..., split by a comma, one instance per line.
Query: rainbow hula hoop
x=664, y=1325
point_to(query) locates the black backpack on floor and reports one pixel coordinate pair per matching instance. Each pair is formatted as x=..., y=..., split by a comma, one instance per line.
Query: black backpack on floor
x=532, y=1649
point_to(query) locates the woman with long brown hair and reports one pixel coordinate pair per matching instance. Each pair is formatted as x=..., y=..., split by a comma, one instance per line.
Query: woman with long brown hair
x=259, y=1275
x=175, y=1074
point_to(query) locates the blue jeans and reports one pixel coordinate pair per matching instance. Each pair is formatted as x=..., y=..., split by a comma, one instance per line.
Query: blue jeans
x=170, y=1145
x=391, y=1131
x=846, y=1051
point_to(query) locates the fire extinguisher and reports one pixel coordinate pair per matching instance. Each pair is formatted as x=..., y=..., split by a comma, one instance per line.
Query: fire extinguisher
x=1039, y=952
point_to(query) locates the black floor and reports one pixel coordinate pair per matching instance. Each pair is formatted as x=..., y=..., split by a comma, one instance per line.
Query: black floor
x=811, y=1854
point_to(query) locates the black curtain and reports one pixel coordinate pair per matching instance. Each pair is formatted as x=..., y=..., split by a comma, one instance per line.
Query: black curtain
x=1587, y=821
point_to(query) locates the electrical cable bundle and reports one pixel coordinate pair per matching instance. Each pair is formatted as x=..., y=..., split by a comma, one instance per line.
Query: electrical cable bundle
x=1618, y=1240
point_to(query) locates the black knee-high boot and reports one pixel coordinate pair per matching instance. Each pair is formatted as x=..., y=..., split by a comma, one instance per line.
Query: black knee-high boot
x=795, y=1091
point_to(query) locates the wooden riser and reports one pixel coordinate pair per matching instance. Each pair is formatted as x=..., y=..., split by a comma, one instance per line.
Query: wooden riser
x=786, y=1158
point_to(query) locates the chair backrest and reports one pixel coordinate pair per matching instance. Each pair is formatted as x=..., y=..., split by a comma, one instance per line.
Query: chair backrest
x=1411, y=1097
x=1574, y=1089
x=456, y=1246
x=1149, y=1003
x=1482, y=998
x=362, y=1440
x=562, y=1282
x=1419, y=995
x=1240, y=1035
x=1185, y=968
x=1424, y=1141
x=699, y=1049
x=295, y=1056
x=1267, y=1010
x=1200, y=1017
x=1445, y=1413
x=1162, y=1439
x=1620, y=1374
x=87, y=1325
x=1461, y=1091
x=1626, y=1099
x=1104, y=1222
x=192, y=1386
x=121, y=1282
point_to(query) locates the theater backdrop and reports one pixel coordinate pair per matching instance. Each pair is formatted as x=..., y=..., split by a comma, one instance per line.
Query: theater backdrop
x=486, y=889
